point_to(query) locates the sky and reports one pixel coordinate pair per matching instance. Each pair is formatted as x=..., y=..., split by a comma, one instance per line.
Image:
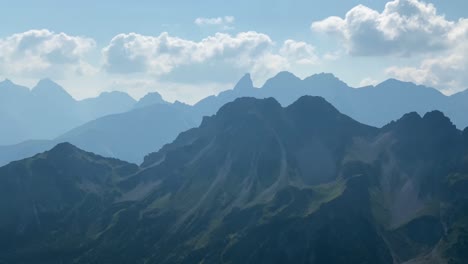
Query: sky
x=187, y=50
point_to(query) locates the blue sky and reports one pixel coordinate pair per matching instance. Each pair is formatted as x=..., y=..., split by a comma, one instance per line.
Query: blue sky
x=189, y=49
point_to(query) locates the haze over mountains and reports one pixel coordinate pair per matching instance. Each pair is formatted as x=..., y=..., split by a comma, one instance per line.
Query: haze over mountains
x=152, y=122
x=255, y=183
x=47, y=110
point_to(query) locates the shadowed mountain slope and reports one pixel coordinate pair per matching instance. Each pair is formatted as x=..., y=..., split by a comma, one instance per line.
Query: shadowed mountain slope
x=255, y=183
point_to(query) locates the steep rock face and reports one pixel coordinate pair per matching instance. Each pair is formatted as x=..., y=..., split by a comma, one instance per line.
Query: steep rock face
x=244, y=84
x=255, y=183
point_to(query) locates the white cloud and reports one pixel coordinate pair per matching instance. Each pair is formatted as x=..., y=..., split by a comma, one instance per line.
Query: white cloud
x=247, y=51
x=299, y=52
x=225, y=22
x=44, y=53
x=446, y=71
x=403, y=28
x=135, y=63
x=367, y=81
x=406, y=28
x=201, y=21
x=159, y=55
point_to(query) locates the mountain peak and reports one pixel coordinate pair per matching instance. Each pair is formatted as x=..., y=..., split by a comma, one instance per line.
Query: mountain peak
x=47, y=87
x=65, y=148
x=46, y=82
x=325, y=80
x=285, y=75
x=6, y=82
x=246, y=104
x=150, y=99
x=314, y=103
x=324, y=77
x=437, y=119
x=245, y=83
x=11, y=87
x=407, y=120
x=412, y=124
x=392, y=82
x=282, y=80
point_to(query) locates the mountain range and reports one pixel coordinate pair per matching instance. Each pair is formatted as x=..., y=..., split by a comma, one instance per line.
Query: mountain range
x=132, y=134
x=255, y=183
x=47, y=110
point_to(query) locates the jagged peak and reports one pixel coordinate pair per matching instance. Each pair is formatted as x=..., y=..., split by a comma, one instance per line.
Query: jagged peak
x=151, y=98
x=438, y=119
x=245, y=83
x=410, y=116
x=408, y=119
x=434, y=120
x=326, y=76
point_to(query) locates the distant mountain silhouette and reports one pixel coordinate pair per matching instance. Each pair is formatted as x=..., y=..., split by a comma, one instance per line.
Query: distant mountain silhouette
x=370, y=105
x=106, y=103
x=255, y=183
x=150, y=99
x=127, y=136
x=48, y=110
x=373, y=105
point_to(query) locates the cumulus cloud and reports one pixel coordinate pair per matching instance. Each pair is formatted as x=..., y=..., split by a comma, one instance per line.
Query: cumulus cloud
x=403, y=28
x=44, y=52
x=214, y=61
x=446, y=71
x=163, y=54
x=299, y=52
x=133, y=52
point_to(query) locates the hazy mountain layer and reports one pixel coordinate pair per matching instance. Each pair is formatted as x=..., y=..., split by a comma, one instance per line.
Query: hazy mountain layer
x=48, y=110
x=371, y=105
